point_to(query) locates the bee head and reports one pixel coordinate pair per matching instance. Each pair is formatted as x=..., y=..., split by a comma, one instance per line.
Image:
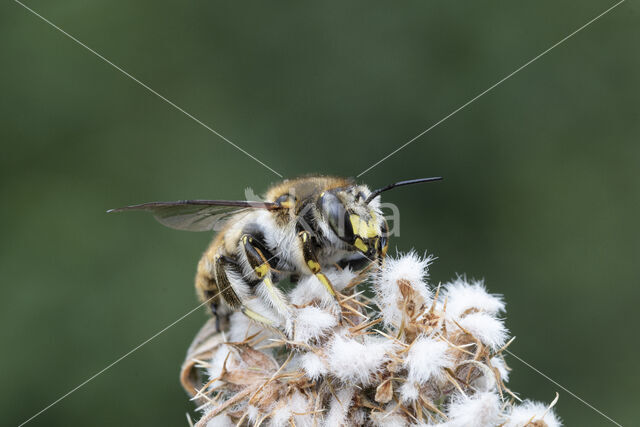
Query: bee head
x=353, y=215
x=352, y=219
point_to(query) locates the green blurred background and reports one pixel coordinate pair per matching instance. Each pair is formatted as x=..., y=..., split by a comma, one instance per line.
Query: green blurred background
x=541, y=196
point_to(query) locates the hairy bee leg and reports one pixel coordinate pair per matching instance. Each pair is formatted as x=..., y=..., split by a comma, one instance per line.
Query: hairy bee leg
x=257, y=316
x=259, y=259
x=382, y=244
x=213, y=307
x=311, y=261
x=229, y=294
x=224, y=285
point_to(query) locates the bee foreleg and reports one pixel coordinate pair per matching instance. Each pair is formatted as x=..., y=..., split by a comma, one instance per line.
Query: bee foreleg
x=312, y=263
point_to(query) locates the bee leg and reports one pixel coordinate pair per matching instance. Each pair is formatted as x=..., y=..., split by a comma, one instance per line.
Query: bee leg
x=382, y=244
x=229, y=294
x=259, y=259
x=224, y=285
x=213, y=306
x=312, y=262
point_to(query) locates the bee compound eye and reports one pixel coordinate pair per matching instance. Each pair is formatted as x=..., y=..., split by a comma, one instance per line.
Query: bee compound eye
x=338, y=217
x=286, y=200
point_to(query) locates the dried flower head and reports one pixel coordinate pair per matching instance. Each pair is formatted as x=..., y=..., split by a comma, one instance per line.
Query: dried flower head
x=405, y=354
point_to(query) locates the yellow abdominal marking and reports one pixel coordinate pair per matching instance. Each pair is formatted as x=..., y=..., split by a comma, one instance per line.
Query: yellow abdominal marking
x=360, y=245
x=323, y=279
x=362, y=228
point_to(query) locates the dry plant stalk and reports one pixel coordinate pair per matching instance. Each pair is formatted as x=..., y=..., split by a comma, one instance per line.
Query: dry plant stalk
x=405, y=354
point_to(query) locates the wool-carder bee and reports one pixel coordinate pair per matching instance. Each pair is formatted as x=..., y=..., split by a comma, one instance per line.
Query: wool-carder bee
x=303, y=227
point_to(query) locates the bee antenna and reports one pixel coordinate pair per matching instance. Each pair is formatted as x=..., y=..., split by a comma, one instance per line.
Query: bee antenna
x=376, y=193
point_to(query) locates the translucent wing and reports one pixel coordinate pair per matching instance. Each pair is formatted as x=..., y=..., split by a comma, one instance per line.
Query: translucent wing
x=197, y=215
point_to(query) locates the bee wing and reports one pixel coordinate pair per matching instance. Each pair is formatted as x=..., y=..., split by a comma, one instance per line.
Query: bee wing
x=196, y=215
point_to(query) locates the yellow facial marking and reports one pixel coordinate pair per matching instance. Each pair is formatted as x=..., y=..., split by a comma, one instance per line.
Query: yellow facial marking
x=371, y=231
x=362, y=228
x=323, y=279
x=360, y=245
x=355, y=223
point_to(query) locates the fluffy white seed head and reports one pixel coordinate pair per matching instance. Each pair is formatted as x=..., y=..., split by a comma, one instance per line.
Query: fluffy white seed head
x=499, y=363
x=339, y=407
x=426, y=360
x=486, y=328
x=354, y=360
x=481, y=410
x=301, y=410
x=281, y=415
x=221, y=420
x=253, y=414
x=388, y=418
x=311, y=323
x=313, y=366
x=340, y=278
x=310, y=290
x=410, y=269
x=217, y=363
x=241, y=327
x=530, y=412
x=463, y=296
x=409, y=392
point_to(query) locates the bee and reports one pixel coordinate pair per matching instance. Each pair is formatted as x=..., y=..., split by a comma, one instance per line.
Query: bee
x=303, y=227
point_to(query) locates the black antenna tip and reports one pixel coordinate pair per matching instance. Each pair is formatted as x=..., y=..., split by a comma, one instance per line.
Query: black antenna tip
x=376, y=193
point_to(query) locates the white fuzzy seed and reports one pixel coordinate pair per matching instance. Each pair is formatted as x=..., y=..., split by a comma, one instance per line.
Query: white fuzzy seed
x=426, y=359
x=409, y=268
x=480, y=410
x=528, y=412
x=354, y=361
x=486, y=328
x=313, y=365
x=463, y=296
x=311, y=323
